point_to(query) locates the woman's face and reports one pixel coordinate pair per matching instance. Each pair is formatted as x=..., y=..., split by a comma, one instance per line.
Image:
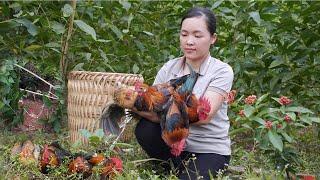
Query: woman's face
x=195, y=39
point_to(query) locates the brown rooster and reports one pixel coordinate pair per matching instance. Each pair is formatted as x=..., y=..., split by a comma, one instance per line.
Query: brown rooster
x=52, y=156
x=80, y=165
x=174, y=103
x=182, y=109
x=95, y=159
x=111, y=167
x=175, y=124
x=27, y=151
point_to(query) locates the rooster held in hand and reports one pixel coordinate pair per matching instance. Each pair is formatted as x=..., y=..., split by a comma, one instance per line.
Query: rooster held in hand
x=174, y=103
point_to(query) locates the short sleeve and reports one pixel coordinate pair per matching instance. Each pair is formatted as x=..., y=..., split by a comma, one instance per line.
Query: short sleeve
x=222, y=82
x=161, y=75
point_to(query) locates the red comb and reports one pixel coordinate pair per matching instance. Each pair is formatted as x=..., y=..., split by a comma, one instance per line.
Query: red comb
x=137, y=86
x=204, y=108
x=205, y=104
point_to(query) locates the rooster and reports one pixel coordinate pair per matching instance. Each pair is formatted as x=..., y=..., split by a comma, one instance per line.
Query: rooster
x=52, y=156
x=80, y=165
x=174, y=124
x=175, y=104
x=111, y=167
x=27, y=151
x=147, y=98
x=95, y=159
x=182, y=109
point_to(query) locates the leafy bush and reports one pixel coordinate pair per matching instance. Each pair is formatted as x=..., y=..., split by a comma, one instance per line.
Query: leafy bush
x=272, y=125
x=9, y=93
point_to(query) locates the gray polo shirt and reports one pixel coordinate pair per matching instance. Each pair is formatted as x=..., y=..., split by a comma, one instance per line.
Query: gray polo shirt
x=217, y=76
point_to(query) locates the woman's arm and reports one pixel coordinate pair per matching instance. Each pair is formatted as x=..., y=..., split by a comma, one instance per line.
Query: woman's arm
x=216, y=101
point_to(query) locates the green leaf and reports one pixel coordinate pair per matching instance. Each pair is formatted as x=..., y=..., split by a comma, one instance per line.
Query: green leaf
x=259, y=120
x=305, y=119
x=256, y=17
x=299, y=109
x=247, y=126
x=116, y=30
x=18, y=14
x=275, y=63
x=216, y=4
x=299, y=125
x=261, y=98
x=125, y=4
x=237, y=131
x=248, y=110
x=31, y=28
x=273, y=82
x=94, y=139
x=85, y=133
x=268, y=111
x=135, y=69
x=314, y=119
x=140, y=45
x=275, y=140
x=32, y=47
x=1, y=104
x=86, y=28
x=67, y=10
x=57, y=27
x=124, y=145
x=99, y=133
x=78, y=67
x=287, y=137
x=276, y=99
x=148, y=33
x=52, y=45
x=103, y=55
x=103, y=40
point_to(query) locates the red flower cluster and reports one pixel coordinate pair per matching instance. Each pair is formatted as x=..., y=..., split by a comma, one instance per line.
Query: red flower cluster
x=287, y=118
x=250, y=99
x=241, y=113
x=231, y=95
x=284, y=100
x=279, y=126
x=268, y=124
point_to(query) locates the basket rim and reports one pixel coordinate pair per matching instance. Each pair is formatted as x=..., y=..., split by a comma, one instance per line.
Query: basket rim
x=102, y=73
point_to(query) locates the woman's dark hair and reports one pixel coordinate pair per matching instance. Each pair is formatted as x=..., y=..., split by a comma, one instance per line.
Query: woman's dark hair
x=210, y=18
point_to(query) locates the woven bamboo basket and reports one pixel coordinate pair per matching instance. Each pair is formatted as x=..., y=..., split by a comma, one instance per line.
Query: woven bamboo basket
x=88, y=94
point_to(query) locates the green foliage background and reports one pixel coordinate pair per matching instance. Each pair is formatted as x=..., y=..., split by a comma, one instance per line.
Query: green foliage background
x=273, y=46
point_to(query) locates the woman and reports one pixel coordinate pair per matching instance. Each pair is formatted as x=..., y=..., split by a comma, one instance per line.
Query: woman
x=208, y=141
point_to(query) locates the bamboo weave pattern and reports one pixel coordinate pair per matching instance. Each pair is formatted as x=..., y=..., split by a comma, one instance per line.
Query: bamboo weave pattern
x=88, y=94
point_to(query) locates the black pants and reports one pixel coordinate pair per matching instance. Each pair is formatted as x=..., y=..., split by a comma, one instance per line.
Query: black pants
x=189, y=165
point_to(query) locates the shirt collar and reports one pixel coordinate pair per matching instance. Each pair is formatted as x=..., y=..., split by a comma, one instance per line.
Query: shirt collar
x=178, y=71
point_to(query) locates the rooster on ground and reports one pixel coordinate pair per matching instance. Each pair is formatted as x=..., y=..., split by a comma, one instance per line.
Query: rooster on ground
x=52, y=156
x=80, y=165
x=27, y=152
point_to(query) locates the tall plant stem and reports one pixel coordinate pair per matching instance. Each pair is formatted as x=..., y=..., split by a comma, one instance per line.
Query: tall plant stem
x=65, y=44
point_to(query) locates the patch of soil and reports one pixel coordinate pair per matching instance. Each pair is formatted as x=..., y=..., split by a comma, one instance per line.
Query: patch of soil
x=35, y=116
